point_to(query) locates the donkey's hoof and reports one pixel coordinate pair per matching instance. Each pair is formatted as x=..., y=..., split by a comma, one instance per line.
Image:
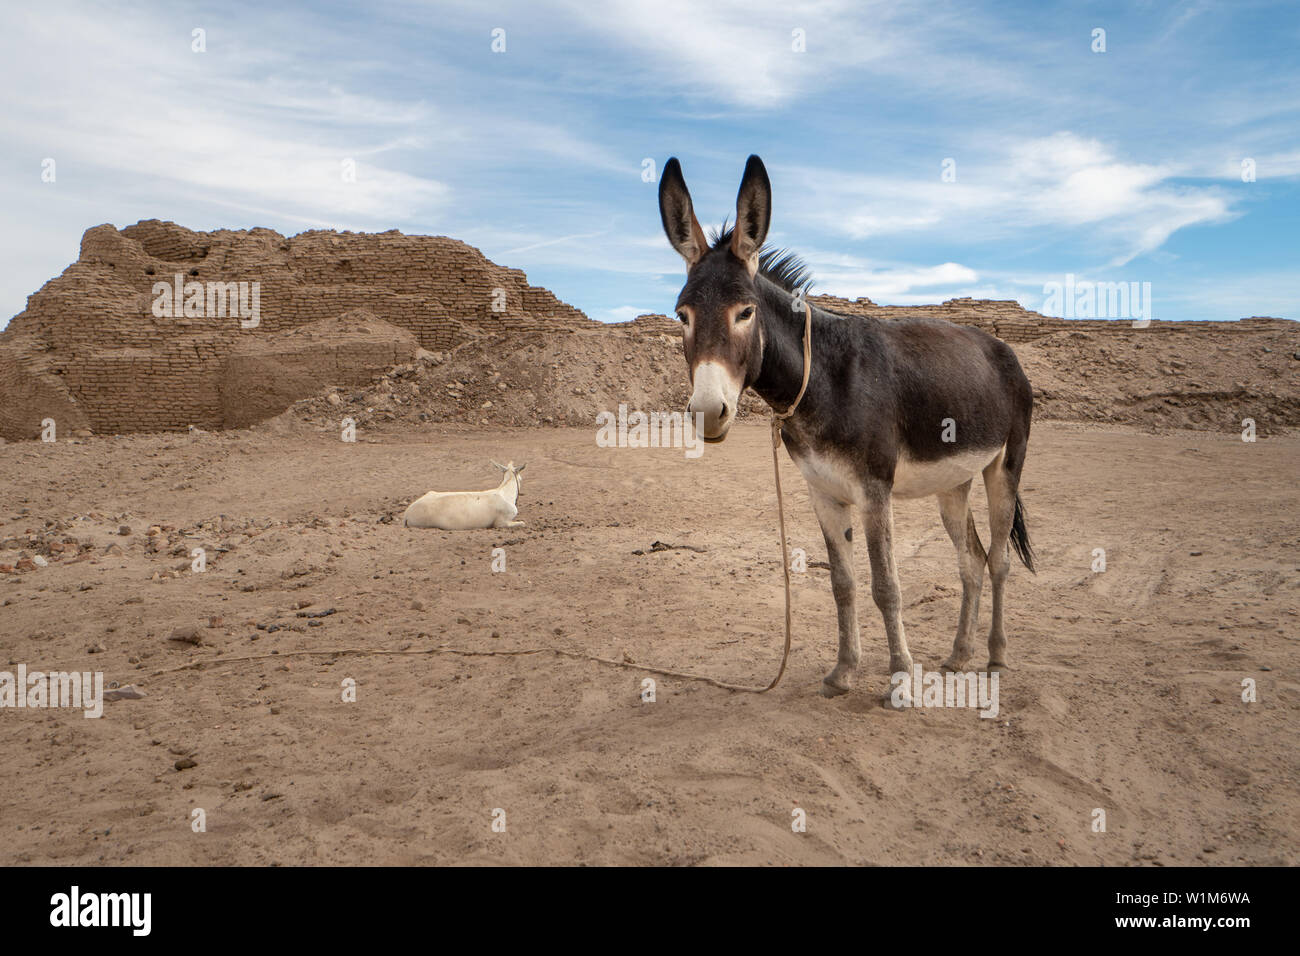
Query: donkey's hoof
x=955, y=665
x=830, y=689
x=997, y=666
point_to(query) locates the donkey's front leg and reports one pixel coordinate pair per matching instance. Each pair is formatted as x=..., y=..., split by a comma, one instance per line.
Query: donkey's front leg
x=878, y=520
x=837, y=528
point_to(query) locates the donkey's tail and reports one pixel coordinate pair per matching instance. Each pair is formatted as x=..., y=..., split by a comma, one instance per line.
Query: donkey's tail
x=1020, y=536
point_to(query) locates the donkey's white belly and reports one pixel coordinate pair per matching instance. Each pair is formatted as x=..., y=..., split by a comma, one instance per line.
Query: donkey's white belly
x=916, y=479
x=831, y=474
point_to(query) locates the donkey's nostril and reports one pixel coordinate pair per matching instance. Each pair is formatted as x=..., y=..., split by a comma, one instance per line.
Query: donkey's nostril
x=724, y=410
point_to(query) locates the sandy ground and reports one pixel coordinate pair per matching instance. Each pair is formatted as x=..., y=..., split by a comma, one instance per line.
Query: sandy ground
x=1126, y=693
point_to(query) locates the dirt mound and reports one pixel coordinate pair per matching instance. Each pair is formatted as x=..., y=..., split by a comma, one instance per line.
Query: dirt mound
x=528, y=380
x=1207, y=379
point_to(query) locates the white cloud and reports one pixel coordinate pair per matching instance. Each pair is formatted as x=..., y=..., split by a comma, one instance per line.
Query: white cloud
x=896, y=284
x=733, y=48
x=624, y=313
x=1062, y=181
x=205, y=127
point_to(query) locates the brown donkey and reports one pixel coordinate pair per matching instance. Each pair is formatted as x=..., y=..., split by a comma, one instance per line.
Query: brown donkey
x=903, y=408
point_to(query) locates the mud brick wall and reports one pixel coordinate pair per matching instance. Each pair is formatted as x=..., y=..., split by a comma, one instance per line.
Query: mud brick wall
x=89, y=351
x=29, y=394
x=651, y=324
x=258, y=383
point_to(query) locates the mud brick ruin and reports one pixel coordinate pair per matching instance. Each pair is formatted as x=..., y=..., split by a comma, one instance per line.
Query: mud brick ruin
x=335, y=309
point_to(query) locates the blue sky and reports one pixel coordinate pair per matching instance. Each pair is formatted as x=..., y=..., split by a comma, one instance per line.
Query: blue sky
x=1123, y=165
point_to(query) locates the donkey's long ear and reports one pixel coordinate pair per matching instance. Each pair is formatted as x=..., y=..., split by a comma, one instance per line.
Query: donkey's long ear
x=683, y=229
x=753, y=214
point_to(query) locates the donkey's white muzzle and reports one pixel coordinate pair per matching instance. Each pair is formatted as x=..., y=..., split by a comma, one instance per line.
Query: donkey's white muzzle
x=715, y=399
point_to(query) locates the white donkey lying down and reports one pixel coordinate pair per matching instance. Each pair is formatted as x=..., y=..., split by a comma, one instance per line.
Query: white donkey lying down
x=462, y=510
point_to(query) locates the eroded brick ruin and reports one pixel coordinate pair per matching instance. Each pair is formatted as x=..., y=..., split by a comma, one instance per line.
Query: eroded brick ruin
x=335, y=308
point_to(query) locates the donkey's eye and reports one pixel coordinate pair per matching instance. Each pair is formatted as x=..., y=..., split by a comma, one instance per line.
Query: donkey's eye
x=682, y=317
x=746, y=314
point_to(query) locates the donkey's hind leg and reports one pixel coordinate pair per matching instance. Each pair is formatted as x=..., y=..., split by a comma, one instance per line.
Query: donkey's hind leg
x=837, y=528
x=1000, y=487
x=954, y=507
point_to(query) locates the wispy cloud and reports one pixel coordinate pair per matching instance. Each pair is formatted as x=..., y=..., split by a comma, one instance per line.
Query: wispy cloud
x=1062, y=181
x=544, y=243
x=192, y=125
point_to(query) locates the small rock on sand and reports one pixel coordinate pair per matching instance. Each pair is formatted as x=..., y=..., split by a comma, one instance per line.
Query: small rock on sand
x=185, y=635
x=129, y=692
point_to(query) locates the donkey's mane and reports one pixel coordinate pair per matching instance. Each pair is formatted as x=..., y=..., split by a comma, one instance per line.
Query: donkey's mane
x=781, y=266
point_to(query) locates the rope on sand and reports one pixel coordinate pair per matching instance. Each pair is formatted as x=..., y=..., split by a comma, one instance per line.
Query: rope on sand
x=462, y=652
